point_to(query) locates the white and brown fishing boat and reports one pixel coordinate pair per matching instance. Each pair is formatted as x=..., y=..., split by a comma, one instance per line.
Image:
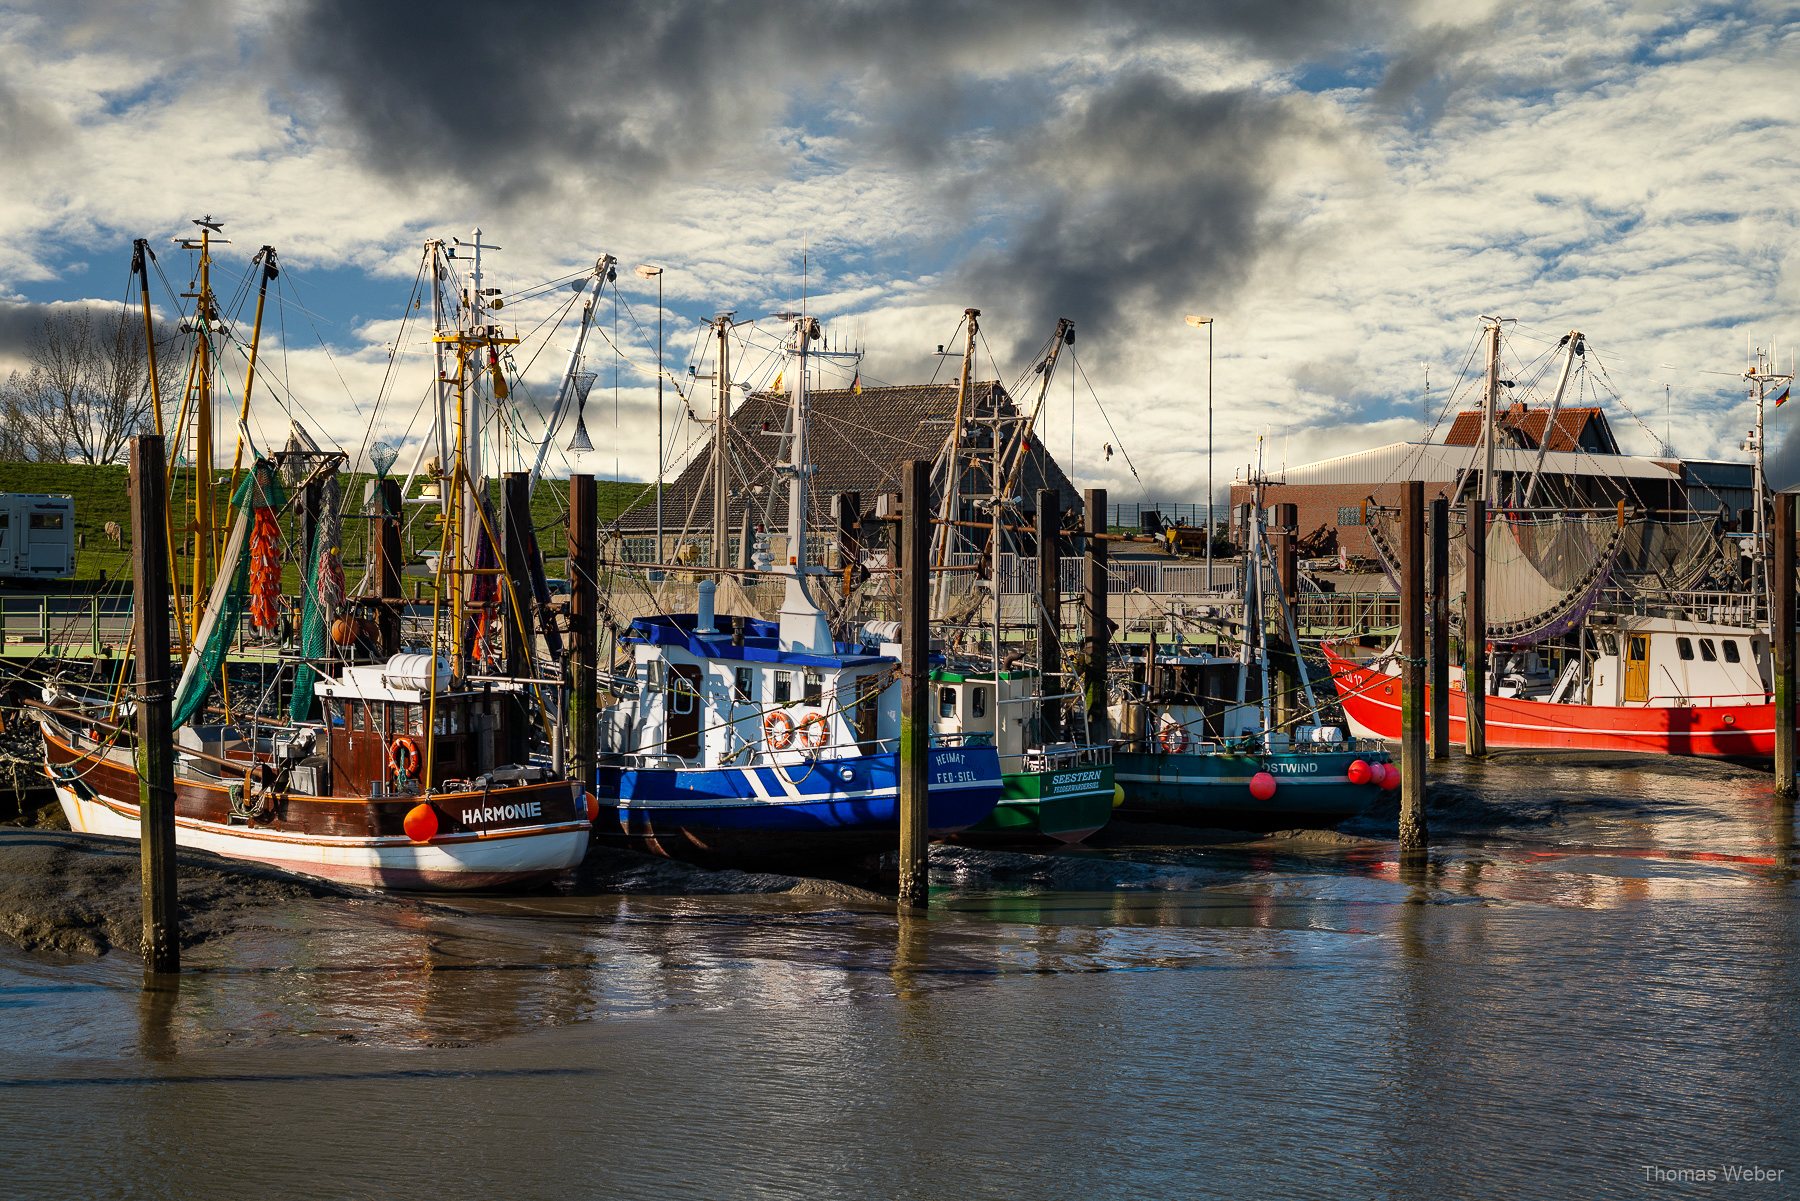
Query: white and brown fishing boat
x=393, y=749
x=361, y=796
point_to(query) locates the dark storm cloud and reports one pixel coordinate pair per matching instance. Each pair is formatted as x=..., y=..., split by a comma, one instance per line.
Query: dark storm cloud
x=515, y=96
x=1150, y=196
x=1142, y=188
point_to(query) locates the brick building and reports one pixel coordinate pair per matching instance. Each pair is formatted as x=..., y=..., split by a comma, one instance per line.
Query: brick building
x=1579, y=467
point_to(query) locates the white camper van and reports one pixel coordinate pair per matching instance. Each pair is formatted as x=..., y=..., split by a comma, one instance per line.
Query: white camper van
x=37, y=536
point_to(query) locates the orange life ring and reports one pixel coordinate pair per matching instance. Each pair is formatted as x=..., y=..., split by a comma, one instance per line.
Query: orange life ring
x=403, y=757
x=778, y=730
x=1173, y=737
x=813, y=731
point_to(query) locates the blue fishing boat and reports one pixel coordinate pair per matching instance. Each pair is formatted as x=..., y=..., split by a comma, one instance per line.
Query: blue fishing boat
x=772, y=742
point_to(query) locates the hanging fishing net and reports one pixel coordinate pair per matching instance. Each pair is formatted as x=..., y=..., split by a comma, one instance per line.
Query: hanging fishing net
x=320, y=591
x=1543, y=575
x=258, y=494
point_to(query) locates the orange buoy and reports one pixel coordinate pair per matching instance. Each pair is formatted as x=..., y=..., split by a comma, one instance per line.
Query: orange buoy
x=421, y=823
x=591, y=806
x=1262, y=786
x=1359, y=771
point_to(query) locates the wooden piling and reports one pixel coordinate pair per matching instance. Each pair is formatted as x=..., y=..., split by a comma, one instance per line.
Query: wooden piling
x=584, y=630
x=516, y=598
x=1097, y=635
x=1049, y=612
x=915, y=690
x=1781, y=642
x=155, y=730
x=1412, y=659
x=1475, y=629
x=388, y=562
x=1440, y=627
x=847, y=516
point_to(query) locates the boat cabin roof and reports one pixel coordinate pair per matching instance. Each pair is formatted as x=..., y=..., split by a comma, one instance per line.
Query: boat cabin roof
x=762, y=643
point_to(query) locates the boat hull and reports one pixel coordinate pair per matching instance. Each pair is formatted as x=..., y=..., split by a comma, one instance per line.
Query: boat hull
x=1215, y=786
x=313, y=836
x=1064, y=806
x=828, y=810
x=1371, y=701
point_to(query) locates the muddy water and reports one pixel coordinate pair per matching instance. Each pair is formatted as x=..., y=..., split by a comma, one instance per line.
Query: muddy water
x=1596, y=978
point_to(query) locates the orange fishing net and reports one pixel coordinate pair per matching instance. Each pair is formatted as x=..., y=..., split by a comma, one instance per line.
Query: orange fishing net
x=265, y=571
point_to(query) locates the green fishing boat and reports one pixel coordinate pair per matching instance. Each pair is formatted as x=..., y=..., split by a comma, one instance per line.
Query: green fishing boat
x=1055, y=791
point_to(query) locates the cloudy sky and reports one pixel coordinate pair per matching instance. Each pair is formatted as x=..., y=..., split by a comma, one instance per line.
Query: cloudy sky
x=1345, y=186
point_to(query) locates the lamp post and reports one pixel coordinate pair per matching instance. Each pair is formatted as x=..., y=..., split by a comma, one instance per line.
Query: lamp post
x=1208, y=323
x=648, y=272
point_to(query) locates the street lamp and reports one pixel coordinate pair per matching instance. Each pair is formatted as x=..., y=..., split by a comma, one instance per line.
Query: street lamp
x=656, y=273
x=1208, y=323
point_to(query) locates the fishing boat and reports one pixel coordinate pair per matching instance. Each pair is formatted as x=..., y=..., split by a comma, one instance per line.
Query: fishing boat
x=1200, y=740
x=1053, y=791
x=773, y=742
x=393, y=766
x=1638, y=684
x=1057, y=790
x=1571, y=666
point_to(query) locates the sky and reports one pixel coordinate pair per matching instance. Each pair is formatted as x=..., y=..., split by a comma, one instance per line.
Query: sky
x=1345, y=188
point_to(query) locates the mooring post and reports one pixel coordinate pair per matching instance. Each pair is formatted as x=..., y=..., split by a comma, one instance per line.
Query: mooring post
x=1412, y=659
x=584, y=630
x=1093, y=605
x=388, y=562
x=915, y=691
x=1049, y=612
x=155, y=729
x=516, y=598
x=1475, y=630
x=847, y=512
x=1781, y=641
x=1440, y=627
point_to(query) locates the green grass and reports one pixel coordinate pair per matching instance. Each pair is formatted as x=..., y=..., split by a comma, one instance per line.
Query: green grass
x=102, y=495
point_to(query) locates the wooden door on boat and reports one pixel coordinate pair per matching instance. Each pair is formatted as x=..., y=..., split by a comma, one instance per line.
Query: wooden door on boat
x=1637, y=668
x=683, y=729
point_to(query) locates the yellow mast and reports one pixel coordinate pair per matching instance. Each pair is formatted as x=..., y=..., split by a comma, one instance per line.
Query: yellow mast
x=265, y=258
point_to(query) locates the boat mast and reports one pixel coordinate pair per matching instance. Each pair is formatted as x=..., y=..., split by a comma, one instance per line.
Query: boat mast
x=803, y=624
x=265, y=259
x=205, y=320
x=1574, y=348
x=1490, y=401
x=721, y=458
x=953, y=449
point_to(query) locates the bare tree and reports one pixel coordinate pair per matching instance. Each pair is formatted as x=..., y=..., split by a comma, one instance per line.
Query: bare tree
x=87, y=390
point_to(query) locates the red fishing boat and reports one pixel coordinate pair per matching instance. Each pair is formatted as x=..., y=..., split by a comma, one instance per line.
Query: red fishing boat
x=1640, y=684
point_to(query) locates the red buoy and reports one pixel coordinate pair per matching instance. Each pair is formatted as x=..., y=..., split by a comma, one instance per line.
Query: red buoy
x=421, y=823
x=1390, y=777
x=1262, y=786
x=1359, y=771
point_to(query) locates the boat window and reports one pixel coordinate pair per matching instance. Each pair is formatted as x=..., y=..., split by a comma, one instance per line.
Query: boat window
x=784, y=687
x=1609, y=644
x=449, y=721
x=653, y=673
x=946, y=702
x=815, y=689
x=415, y=719
x=356, y=717
x=978, y=703
x=744, y=687
x=1731, y=650
x=46, y=521
x=5, y=520
x=1708, y=651
x=1684, y=647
